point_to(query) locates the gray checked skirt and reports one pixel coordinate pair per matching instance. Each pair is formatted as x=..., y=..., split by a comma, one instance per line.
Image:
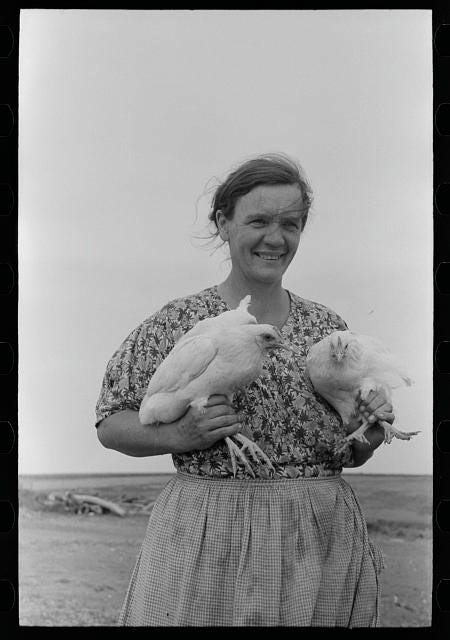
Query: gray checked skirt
x=226, y=552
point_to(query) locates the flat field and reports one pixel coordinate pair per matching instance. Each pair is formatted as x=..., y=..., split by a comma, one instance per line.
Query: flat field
x=74, y=568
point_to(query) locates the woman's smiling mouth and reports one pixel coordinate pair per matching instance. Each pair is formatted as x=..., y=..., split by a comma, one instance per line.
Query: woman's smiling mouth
x=269, y=256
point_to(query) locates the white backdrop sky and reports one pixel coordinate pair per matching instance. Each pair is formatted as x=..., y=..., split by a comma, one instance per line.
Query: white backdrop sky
x=125, y=119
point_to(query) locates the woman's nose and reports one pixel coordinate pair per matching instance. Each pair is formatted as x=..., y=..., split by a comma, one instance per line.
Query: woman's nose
x=274, y=235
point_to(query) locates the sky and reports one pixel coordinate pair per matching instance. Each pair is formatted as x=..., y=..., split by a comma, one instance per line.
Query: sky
x=127, y=122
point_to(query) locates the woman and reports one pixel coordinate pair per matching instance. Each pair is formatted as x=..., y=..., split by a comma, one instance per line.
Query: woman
x=289, y=547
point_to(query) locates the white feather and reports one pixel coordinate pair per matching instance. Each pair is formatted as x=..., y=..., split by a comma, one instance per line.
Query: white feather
x=346, y=363
x=217, y=356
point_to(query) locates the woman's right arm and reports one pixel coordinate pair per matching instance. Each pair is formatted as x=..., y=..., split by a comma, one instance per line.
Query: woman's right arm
x=123, y=431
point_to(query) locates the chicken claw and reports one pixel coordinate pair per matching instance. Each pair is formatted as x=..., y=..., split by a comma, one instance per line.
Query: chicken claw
x=236, y=452
x=253, y=449
x=391, y=432
x=358, y=434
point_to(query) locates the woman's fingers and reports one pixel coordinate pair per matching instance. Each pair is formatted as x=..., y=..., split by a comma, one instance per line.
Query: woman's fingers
x=217, y=399
x=222, y=421
x=226, y=432
x=371, y=410
x=201, y=428
x=374, y=405
x=219, y=410
x=386, y=416
x=377, y=410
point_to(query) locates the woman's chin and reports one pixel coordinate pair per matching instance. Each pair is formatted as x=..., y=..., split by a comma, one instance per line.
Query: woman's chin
x=269, y=276
x=272, y=271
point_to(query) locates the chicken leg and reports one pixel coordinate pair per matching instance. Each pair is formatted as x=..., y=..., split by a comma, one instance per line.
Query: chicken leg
x=253, y=449
x=390, y=432
x=235, y=451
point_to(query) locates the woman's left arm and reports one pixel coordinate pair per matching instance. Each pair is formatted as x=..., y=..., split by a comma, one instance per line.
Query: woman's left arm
x=374, y=408
x=364, y=451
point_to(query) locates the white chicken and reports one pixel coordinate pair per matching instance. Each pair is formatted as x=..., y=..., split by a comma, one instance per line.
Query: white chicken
x=346, y=363
x=218, y=355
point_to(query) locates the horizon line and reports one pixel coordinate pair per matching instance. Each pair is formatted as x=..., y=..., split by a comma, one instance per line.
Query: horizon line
x=169, y=473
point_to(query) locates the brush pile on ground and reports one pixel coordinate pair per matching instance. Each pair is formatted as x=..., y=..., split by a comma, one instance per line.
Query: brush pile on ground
x=92, y=504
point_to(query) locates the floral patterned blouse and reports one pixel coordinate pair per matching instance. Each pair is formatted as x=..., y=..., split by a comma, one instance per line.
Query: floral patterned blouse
x=300, y=439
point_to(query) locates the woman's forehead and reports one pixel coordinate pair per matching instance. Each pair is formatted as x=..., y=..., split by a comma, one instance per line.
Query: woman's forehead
x=283, y=198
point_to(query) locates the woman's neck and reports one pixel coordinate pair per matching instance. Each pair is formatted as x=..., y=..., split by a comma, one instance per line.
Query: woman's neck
x=270, y=303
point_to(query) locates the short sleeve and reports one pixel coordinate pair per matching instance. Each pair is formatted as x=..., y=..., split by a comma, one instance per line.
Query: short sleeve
x=331, y=320
x=337, y=322
x=131, y=367
x=324, y=321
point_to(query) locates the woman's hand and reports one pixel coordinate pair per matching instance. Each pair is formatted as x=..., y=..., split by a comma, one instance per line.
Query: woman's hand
x=375, y=407
x=197, y=429
x=200, y=429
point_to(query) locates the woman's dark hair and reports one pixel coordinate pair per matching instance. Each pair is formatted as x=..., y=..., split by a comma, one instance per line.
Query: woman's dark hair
x=267, y=169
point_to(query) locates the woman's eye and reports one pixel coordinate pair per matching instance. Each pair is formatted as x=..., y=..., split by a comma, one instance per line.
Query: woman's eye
x=291, y=225
x=259, y=222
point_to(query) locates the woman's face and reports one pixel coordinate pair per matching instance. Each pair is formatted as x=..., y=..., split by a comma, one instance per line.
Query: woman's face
x=264, y=233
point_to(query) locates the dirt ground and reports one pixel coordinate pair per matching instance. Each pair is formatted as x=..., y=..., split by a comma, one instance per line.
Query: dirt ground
x=74, y=569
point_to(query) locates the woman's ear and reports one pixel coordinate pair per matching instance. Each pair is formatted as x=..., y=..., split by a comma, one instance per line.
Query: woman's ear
x=222, y=225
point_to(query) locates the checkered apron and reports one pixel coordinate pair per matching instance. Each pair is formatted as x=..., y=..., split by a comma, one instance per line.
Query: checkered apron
x=231, y=552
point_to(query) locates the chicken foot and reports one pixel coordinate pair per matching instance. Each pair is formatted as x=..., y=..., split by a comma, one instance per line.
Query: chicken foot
x=390, y=432
x=234, y=449
x=238, y=452
x=358, y=434
x=235, y=452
